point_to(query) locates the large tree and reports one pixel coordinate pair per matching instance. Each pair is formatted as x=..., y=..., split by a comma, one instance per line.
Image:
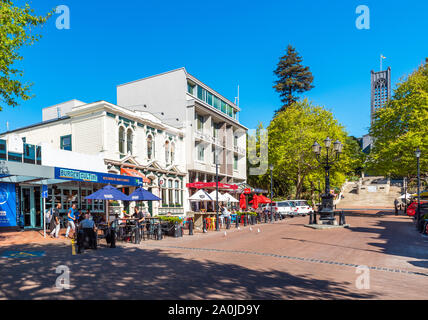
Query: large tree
x=291, y=135
x=16, y=30
x=401, y=127
x=292, y=78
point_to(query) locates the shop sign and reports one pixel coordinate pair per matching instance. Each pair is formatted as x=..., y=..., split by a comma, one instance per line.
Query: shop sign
x=98, y=177
x=7, y=205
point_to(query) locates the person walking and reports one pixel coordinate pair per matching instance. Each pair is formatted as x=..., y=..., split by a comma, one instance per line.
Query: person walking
x=71, y=216
x=55, y=225
x=396, y=206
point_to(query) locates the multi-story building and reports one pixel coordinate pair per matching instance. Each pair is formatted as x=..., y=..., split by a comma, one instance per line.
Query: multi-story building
x=210, y=121
x=127, y=143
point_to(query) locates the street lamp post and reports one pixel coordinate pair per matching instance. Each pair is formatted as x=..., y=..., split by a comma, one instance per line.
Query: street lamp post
x=217, y=227
x=271, y=192
x=332, y=155
x=418, y=155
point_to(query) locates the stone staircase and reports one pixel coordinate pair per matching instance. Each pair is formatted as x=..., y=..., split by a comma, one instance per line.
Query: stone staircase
x=366, y=193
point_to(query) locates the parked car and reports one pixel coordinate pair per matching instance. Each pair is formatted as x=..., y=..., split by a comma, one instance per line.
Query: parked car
x=284, y=208
x=303, y=208
x=411, y=209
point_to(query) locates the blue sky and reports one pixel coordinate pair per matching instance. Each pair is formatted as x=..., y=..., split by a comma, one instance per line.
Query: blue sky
x=223, y=43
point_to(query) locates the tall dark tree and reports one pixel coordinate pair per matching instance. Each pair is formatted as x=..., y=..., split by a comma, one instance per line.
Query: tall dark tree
x=292, y=78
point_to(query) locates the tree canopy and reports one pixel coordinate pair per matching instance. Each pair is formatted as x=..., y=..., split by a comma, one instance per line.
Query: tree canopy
x=291, y=136
x=292, y=78
x=401, y=127
x=16, y=30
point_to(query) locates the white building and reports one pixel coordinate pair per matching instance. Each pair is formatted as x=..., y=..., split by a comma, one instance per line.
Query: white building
x=104, y=137
x=166, y=128
x=210, y=121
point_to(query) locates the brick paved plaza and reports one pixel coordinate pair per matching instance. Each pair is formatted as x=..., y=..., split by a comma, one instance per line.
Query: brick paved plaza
x=285, y=260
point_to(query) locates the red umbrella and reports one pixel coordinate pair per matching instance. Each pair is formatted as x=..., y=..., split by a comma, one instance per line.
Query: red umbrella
x=255, y=201
x=242, y=202
x=263, y=199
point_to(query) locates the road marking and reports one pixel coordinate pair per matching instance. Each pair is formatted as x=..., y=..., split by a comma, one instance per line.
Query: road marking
x=291, y=258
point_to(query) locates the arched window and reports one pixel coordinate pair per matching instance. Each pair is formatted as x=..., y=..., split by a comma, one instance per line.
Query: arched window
x=166, y=151
x=150, y=147
x=122, y=140
x=129, y=138
x=172, y=152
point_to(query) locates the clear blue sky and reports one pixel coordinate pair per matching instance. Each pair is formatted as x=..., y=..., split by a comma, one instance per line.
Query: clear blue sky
x=223, y=43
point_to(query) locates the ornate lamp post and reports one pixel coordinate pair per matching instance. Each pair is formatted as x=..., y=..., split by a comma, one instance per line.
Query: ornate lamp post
x=418, y=155
x=332, y=155
x=271, y=192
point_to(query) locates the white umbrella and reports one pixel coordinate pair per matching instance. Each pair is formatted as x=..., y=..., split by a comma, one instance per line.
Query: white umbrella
x=408, y=195
x=230, y=198
x=221, y=197
x=201, y=195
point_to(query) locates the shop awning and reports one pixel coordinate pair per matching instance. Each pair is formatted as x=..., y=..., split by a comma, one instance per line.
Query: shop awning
x=17, y=172
x=201, y=185
x=134, y=173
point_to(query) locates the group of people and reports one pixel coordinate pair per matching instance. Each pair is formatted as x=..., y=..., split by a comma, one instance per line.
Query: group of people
x=74, y=217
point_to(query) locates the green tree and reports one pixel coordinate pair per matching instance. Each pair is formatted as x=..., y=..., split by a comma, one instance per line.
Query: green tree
x=292, y=78
x=401, y=127
x=291, y=135
x=16, y=31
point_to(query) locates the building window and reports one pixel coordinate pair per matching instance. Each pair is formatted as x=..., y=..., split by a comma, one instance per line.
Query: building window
x=191, y=88
x=215, y=129
x=201, y=151
x=216, y=103
x=150, y=145
x=172, y=152
x=66, y=143
x=235, y=141
x=200, y=122
x=167, y=152
x=129, y=139
x=122, y=140
x=235, y=162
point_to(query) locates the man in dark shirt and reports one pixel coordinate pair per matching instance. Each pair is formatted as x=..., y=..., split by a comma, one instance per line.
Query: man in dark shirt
x=55, y=221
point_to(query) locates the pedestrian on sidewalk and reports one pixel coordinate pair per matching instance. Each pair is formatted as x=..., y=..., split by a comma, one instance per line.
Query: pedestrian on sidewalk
x=55, y=225
x=71, y=216
x=396, y=206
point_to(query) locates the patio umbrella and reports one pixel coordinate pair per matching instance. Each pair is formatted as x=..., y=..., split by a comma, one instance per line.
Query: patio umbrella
x=230, y=198
x=255, y=201
x=221, y=197
x=108, y=193
x=201, y=195
x=263, y=199
x=142, y=194
x=242, y=201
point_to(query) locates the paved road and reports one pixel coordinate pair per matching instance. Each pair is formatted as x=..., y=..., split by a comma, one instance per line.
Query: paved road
x=284, y=260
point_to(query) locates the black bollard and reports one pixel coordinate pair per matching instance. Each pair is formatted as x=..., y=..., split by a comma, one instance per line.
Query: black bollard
x=311, y=218
x=113, y=238
x=176, y=230
x=228, y=223
x=265, y=217
x=159, y=232
x=276, y=216
x=191, y=227
x=237, y=221
x=204, y=225
x=315, y=218
x=245, y=220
